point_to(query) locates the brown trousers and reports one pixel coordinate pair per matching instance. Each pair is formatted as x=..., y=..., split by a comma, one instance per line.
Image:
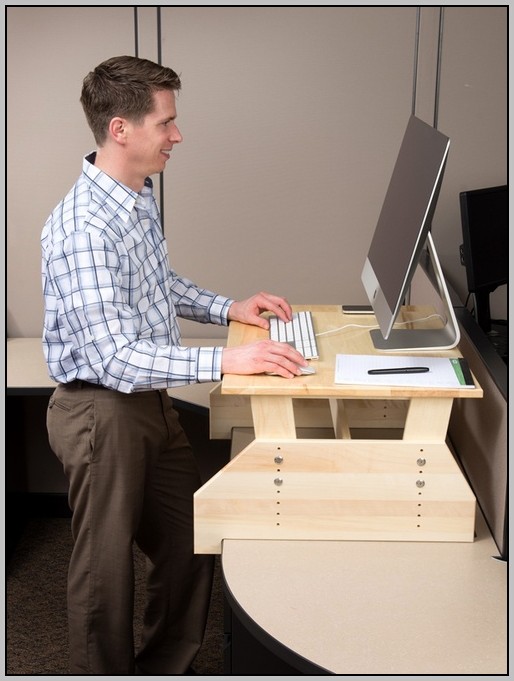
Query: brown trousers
x=132, y=476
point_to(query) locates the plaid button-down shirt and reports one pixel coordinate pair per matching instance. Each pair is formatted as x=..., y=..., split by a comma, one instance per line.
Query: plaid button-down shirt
x=111, y=298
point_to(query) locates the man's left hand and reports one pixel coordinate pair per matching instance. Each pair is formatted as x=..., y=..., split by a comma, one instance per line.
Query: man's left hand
x=249, y=311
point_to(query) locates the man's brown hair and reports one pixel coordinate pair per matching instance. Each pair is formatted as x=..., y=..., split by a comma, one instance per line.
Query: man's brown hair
x=123, y=86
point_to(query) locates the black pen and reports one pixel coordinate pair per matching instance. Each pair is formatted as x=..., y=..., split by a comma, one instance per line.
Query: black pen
x=400, y=370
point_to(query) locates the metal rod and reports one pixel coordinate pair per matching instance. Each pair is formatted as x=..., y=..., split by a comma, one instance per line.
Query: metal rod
x=438, y=75
x=136, y=33
x=159, y=60
x=416, y=59
x=159, y=36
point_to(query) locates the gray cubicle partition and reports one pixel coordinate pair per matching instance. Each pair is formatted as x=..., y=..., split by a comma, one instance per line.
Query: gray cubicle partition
x=478, y=431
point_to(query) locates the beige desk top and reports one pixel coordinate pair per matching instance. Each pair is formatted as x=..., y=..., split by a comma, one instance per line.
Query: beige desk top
x=26, y=369
x=353, y=339
x=377, y=607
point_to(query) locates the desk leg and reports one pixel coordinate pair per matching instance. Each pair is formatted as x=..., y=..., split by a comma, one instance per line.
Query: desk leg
x=273, y=416
x=427, y=419
x=340, y=419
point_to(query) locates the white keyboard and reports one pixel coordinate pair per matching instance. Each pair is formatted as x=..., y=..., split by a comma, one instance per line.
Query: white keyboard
x=299, y=333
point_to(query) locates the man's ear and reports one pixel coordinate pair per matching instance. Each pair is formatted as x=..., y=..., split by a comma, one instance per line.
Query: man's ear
x=118, y=129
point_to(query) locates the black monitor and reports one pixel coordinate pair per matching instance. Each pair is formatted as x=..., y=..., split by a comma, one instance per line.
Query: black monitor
x=401, y=236
x=485, y=232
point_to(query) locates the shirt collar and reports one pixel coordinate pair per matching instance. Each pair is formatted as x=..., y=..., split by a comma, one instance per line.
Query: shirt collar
x=117, y=196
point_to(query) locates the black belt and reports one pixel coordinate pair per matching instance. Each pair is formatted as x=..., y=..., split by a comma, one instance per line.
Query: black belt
x=78, y=383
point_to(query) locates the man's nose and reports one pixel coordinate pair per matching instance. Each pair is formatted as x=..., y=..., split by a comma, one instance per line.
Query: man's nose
x=176, y=135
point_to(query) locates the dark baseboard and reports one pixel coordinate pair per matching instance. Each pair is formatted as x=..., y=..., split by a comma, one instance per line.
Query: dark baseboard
x=22, y=506
x=37, y=505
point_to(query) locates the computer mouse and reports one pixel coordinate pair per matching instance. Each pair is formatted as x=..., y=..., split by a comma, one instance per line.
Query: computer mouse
x=307, y=370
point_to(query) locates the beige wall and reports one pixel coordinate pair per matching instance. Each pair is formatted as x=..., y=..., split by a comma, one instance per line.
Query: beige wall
x=473, y=113
x=292, y=118
x=49, y=51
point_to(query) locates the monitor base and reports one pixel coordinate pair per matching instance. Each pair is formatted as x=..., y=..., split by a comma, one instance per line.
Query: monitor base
x=414, y=340
x=418, y=340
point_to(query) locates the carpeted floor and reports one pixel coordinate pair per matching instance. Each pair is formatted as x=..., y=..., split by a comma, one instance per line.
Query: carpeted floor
x=36, y=627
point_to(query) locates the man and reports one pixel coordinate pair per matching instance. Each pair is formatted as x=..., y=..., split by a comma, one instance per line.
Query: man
x=112, y=343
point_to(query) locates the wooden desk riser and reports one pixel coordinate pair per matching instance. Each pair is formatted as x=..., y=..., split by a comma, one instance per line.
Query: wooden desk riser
x=409, y=488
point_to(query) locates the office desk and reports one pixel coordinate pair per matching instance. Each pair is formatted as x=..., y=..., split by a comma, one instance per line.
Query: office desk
x=284, y=487
x=376, y=608
x=27, y=373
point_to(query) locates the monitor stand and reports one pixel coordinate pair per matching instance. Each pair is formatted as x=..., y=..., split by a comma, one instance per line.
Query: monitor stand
x=412, y=340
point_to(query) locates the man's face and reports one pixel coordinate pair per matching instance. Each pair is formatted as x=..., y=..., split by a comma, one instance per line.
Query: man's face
x=150, y=143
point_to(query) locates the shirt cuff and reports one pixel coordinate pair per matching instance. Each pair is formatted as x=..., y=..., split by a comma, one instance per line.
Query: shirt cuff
x=218, y=310
x=208, y=367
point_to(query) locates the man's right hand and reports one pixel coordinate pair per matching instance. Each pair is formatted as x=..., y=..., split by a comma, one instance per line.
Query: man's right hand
x=264, y=356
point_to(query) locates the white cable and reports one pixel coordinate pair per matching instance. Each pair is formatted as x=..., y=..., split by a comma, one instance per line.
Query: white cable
x=375, y=326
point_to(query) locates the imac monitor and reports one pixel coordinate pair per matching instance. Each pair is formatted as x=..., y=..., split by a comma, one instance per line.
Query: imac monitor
x=401, y=235
x=485, y=232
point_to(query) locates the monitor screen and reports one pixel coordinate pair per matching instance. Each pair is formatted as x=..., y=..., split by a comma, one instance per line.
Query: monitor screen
x=485, y=232
x=402, y=230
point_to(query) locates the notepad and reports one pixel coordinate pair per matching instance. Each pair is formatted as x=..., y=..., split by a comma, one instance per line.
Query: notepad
x=443, y=372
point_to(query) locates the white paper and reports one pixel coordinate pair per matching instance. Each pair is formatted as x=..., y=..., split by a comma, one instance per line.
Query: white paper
x=353, y=370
